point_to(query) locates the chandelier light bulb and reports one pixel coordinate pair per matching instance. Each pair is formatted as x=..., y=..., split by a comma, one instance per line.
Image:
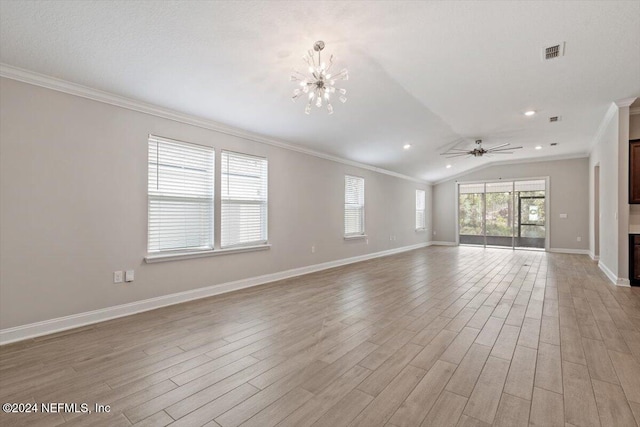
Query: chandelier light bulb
x=320, y=84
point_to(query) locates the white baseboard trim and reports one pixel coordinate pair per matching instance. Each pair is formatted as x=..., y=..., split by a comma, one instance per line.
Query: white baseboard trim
x=32, y=330
x=626, y=283
x=569, y=251
x=618, y=281
x=593, y=256
x=608, y=273
x=437, y=243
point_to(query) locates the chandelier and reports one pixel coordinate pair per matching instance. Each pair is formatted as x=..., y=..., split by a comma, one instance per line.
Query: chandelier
x=319, y=84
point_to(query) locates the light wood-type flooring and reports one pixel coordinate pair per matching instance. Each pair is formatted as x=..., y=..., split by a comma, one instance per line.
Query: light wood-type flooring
x=440, y=336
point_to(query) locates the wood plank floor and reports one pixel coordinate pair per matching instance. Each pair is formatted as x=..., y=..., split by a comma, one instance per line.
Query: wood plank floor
x=440, y=336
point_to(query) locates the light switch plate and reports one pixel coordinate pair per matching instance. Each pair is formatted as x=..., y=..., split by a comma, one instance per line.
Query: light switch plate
x=128, y=276
x=563, y=216
x=117, y=277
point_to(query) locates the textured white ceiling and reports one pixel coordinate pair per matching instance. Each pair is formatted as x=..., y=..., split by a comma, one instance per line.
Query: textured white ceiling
x=427, y=73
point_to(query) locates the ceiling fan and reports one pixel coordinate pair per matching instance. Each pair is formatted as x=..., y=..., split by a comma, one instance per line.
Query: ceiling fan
x=479, y=150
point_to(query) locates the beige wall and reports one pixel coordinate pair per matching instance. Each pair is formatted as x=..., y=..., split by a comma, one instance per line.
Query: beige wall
x=73, y=208
x=605, y=154
x=623, y=193
x=634, y=126
x=568, y=191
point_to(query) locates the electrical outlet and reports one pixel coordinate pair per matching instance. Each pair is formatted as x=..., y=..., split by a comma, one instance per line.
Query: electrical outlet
x=579, y=239
x=128, y=276
x=117, y=277
x=367, y=240
x=313, y=249
x=434, y=232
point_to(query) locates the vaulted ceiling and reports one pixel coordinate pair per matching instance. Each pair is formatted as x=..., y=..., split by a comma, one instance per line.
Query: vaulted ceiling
x=432, y=74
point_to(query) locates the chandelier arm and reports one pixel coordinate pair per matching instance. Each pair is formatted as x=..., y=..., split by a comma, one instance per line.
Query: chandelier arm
x=330, y=64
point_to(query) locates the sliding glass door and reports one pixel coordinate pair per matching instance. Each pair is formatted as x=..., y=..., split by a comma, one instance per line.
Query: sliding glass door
x=471, y=214
x=499, y=214
x=531, y=221
x=508, y=214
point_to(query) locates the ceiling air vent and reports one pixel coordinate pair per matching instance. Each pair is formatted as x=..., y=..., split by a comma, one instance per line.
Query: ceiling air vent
x=553, y=51
x=553, y=119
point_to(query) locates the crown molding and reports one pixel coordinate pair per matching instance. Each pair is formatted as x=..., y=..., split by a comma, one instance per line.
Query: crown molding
x=621, y=103
x=513, y=162
x=42, y=80
x=634, y=111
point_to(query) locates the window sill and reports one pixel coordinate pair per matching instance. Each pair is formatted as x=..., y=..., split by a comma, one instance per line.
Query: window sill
x=420, y=230
x=356, y=237
x=175, y=256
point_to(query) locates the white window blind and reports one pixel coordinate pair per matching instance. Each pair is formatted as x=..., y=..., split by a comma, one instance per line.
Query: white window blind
x=244, y=199
x=420, y=210
x=180, y=196
x=353, y=205
x=537, y=185
x=476, y=188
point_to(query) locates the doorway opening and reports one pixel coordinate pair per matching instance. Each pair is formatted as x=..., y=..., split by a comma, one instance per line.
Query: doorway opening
x=509, y=214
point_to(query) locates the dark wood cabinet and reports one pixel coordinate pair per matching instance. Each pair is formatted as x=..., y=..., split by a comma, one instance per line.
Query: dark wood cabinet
x=634, y=171
x=634, y=259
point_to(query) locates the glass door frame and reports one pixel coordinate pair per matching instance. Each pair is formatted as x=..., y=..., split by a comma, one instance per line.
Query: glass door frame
x=547, y=208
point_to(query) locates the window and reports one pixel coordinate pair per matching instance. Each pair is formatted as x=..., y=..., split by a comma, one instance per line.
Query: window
x=244, y=200
x=353, y=206
x=180, y=196
x=420, y=210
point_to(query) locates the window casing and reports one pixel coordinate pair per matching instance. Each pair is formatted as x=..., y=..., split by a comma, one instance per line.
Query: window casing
x=353, y=206
x=421, y=216
x=180, y=196
x=244, y=200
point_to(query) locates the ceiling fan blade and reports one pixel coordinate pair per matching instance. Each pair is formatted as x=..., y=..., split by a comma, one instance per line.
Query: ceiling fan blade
x=498, y=146
x=461, y=153
x=453, y=143
x=500, y=152
x=457, y=155
x=504, y=149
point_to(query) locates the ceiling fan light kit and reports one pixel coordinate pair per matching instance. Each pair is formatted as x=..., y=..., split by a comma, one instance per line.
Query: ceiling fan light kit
x=319, y=84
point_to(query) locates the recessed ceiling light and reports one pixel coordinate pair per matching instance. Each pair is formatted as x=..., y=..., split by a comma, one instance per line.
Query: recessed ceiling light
x=448, y=166
x=406, y=146
x=538, y=147
x=529, y=113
